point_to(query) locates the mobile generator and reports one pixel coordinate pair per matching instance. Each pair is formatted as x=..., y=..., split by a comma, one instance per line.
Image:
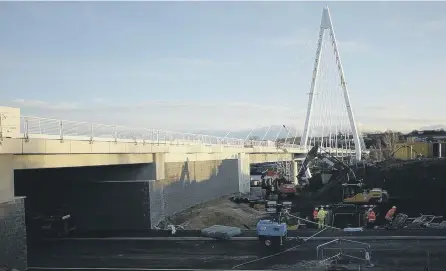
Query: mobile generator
x=273, y=232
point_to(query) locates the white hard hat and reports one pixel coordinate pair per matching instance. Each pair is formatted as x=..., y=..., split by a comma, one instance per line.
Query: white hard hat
x=394, y=207
x=316, y=208
x=322, y=208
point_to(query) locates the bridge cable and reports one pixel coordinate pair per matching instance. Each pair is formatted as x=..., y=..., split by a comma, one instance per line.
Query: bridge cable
x=330, y=124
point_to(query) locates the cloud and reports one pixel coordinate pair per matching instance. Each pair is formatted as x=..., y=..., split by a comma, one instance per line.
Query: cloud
x=433, y=25
x=298, y=37
x=158, y=114
x=194, y=61
x=344, y=45
x=379, y=117
x=289, y=42
x=418, y=28
x=382, y=107
x=394, y=117
x=353, y=46
x=193, y=116
x=98, y=100
x=45, y=105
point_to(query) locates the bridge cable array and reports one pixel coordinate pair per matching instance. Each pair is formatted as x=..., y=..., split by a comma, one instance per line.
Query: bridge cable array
x=329, y=122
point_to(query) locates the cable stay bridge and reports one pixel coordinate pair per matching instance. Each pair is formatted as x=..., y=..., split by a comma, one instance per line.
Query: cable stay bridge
x=329, y=120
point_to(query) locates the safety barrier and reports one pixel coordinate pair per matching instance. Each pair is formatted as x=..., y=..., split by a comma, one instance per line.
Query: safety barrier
x=36, y=127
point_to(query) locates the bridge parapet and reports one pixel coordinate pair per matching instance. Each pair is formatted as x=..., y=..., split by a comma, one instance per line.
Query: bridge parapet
x=42, y=135
x=36, y=127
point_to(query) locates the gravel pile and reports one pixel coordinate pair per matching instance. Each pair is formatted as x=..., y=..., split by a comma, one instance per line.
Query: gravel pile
x=216, y=212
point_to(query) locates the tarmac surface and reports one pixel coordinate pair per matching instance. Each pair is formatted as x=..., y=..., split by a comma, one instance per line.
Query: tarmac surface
x=252, y=233
x=131, y=254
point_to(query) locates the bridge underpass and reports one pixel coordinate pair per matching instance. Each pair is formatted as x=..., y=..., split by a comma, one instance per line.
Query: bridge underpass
x=125, y=197
x=98, y=198
x=44, y=140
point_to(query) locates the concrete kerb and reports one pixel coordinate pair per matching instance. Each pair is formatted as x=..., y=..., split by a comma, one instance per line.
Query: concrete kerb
x=197, y=239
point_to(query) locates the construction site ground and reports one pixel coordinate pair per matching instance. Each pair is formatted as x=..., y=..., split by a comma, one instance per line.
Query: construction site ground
x=224, y=212
x=415, y=187
x=221, y=211
x=192, y=255
x=367, y=234
x=422, y=182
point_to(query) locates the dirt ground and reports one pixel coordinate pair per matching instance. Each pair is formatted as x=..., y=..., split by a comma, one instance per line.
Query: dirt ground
x=221, y=211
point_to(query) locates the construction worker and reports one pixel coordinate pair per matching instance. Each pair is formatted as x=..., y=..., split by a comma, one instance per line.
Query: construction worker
x=321, y=218
x=316, y=210
x=390, y=214
x=371, y=218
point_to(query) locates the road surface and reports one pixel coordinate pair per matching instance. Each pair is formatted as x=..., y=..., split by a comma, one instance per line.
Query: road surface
x=133, y=255
x=252, y=233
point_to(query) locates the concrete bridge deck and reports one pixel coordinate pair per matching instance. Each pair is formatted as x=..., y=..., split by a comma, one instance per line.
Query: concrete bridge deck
x=153, y=173
x=50, y=143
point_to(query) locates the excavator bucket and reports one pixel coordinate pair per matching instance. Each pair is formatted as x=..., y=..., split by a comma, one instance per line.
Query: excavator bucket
x=376, y=195
x=359, y=198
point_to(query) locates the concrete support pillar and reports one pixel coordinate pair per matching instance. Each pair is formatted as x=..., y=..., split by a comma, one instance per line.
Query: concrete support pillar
x=6, y=178
x=439, y=150
x=295, y=171
x=159, y=161
x=13, y=249
x=244, y=173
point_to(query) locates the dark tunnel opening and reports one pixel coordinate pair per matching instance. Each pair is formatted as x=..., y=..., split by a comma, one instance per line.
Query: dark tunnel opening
x=97, y=198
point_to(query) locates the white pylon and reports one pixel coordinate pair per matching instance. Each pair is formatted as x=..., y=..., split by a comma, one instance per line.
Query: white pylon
x=326, y=24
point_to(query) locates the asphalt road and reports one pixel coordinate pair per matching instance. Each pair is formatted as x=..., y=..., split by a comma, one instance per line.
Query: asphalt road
x=252, y=233
x=164, y=254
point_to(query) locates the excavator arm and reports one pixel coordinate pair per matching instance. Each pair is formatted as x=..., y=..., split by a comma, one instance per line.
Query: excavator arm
x=304, y=172
x=316, y=152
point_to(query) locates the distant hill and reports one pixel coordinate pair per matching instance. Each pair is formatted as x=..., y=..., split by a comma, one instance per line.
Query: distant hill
x=274, y=130
x=256, y=133
x=433, y=127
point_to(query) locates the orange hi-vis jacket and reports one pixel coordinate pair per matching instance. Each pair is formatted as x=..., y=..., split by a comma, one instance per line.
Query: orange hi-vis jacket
x=315, y=212
x=390, y=214
x=372, y=216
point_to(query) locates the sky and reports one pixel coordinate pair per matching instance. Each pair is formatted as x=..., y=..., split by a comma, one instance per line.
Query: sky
x=204, y=66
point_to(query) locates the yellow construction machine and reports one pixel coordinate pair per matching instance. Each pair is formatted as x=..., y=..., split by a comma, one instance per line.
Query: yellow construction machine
x=354, y=193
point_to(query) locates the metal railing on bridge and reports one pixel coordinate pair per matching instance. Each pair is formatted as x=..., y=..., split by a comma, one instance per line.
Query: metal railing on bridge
x=36, y=127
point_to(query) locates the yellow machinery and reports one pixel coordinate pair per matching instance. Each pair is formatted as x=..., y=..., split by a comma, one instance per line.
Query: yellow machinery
x=356, y=194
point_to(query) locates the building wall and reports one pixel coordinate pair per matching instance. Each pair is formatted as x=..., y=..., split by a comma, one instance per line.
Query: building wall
x=422, y=148
x=13, y=249
x=189, y=183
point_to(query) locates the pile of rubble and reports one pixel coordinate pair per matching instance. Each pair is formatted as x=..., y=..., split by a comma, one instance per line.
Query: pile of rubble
x=402, y=221
x=221, y=211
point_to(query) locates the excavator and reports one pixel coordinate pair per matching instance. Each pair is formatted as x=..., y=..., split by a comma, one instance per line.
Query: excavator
x=337, y=188
x=356, y=194
x=334, y=173
x=277, y=186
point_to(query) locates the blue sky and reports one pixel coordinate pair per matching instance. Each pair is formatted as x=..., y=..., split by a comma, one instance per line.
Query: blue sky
x=219, y=65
